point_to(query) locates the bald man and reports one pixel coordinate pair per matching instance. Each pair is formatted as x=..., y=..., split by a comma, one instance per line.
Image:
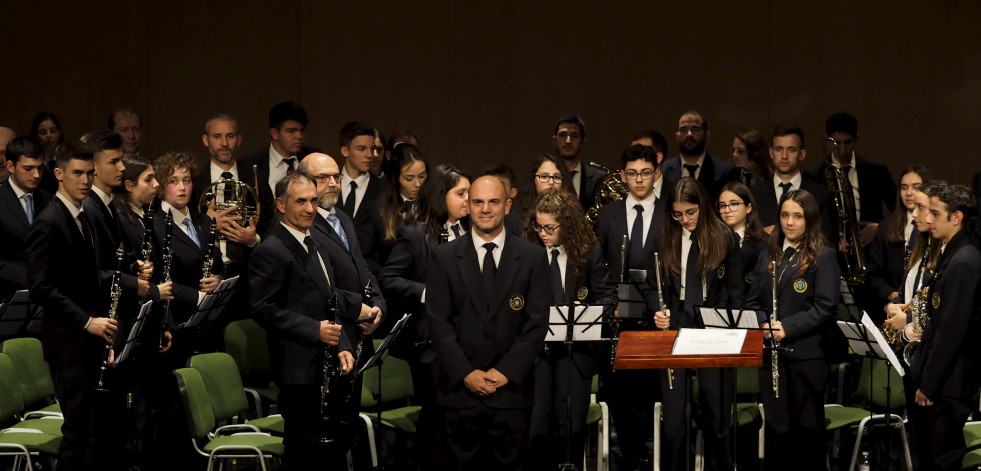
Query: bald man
x=487, y=328
x=6, y=135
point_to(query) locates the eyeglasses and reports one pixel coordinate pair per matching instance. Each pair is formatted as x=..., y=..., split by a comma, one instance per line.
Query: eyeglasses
x=678, y=215
x=550, y=230
x=734, y=206
x=544, y=177
x=323, y=177
x=645, y=174
x=685, y=129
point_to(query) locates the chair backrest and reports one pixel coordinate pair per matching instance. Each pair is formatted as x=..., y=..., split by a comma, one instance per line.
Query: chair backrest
x=396, y=380
x=245, y=341
x=222, y=383
x=594, y=386
x=197, y=405
x=31, y=369
x=748, y=380
x=872, y=382
x=11, y=399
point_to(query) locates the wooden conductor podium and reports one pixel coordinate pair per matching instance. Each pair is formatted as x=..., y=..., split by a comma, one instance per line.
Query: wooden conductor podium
x=644, y=350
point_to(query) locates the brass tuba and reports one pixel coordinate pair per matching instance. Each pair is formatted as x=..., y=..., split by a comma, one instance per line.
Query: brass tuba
x=608, y=190
x=844, y=199
x=228, y=192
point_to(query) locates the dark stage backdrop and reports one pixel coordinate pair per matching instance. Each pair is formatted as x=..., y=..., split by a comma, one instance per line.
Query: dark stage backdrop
x=484, y=82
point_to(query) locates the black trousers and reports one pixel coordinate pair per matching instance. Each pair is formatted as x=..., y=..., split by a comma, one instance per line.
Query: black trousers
x=628, y=394
x=88, y=438
x=483, y=438
x=713, y=414
x=300, y=407
x=795, y=431
x=548, y=434
x=938, y=432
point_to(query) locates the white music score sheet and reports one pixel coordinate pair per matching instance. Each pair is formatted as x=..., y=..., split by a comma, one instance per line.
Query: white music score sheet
x=709, y=342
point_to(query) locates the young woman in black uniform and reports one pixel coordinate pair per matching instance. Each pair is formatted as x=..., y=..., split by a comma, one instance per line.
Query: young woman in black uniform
x=738, y=210
x=807, y=296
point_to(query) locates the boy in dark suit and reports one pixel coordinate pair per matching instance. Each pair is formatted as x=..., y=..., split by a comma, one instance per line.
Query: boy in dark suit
x=21, y=201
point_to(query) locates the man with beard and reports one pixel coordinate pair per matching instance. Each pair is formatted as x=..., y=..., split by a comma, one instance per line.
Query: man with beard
x=694, y=161
x=568, y=137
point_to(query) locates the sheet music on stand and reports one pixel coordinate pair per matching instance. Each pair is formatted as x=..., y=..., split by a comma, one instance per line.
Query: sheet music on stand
x=19, y=315
x=727, y=318
x=382, y=347
x=631, y=294
x=587, y=322
x=212, y=305
x=866, y=340
x=134, y=333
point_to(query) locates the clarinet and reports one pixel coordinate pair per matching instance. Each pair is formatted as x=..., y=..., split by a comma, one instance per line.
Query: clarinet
x=147, y=234
x=614, y=328
x=209, y=258
x=774, y=354
x=331, y=373
x=660, y=303
x=115, y=292
x=168, y=257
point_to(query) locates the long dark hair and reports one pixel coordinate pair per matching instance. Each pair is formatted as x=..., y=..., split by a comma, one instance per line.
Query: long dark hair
x=753, y=230
x=714, y=236
x=577, y=236
x=432, y=214
x=760, y=167
x=896, y=234
x=135, y=166
x=813, y=240
x=927, y=188
x=528, y=197
x=392, y=210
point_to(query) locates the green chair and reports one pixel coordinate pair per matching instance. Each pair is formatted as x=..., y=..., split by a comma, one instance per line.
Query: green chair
x=873, y=379
x=598, y=414
x=226, y=393
x=26, y=438
x=32, y=372
x=388, y=404
x=245, y=341
x=217, y=444
x=972, y=460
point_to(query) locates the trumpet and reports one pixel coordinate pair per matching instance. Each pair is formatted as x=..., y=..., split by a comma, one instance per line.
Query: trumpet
x=917, y=310
x=115, y=292
x=844, y=198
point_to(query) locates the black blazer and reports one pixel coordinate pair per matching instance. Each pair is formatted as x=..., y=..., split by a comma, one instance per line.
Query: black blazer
x=48, y=181
x=723, y=287
x=806, y=304
x=587, y=185
x=110, y=234
x=187, y=263
x=886, y=264
x=13, y=238
x=288, y=296
x=750, y=254
x=766, y=206
x=611, y=226
x=471, y=333
x=368, y=223
x=64, y=280
x=875, y=186
x=711, y=176
x=945, y=364
x=403, y=279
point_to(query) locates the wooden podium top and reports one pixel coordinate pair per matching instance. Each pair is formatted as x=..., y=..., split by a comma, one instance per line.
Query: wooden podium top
x=642, y=350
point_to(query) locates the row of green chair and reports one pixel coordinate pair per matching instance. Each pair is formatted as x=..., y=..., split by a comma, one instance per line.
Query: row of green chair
x=31, y=435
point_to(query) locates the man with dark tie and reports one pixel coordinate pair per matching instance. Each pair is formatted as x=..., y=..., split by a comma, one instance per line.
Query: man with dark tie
x=21, y=200
x=63, y=276
x=568, y=136
x=694, y=161
x=487, y=326
x=361, y=193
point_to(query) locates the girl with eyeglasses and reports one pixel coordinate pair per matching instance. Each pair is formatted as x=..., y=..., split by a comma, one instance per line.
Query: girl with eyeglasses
x=700, y=258
x=808, y=289
x=578, y=275
x=737, y=209
x=547, y=172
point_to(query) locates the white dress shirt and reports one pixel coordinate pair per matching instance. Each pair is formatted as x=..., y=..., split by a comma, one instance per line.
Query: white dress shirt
x=19, y=194
x=577, y=178
x=698, y=171
x=478, y=245
x=647, y=215
x=853, y=180
x=795, y=182
x=278, y=167
x=216, y=172
x=362, y=182
x=562, y=259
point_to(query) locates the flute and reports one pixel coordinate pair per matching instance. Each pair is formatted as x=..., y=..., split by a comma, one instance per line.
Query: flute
x=660, y=302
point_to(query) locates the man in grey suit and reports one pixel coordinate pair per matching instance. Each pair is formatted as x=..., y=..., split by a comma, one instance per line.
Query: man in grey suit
x=694, y=161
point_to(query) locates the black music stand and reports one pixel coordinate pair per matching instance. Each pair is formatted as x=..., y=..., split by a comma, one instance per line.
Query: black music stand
x=632, y=294
x=210, y=307
x=18, y=316
x=134, y=334
x=574, y=323
x=376, y=358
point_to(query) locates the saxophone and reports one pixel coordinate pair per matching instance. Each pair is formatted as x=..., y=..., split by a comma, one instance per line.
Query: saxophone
x=115, y=292
x=774, y=354
x=917, y=310
x=331, y=374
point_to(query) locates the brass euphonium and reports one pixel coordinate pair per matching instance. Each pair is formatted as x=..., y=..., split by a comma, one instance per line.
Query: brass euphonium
x=844, y=198
x=228, y=192
x=608, y=190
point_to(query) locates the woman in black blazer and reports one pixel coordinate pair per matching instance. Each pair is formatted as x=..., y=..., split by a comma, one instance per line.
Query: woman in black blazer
x=578, y=275
x=807, y=296
x=737, y=209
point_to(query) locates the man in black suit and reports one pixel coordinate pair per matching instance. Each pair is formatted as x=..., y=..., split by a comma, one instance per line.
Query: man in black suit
x=788, y=152
x=487, y=326
x=945, y=366
x=7, y=135
x=692, y=134
x=568, y=136
x=292, y=283
x=21, y=201
x=871, y=181
x=361, y=194
x=287, y=129
x=644, y=227
x=126, y=123
x=63, y=276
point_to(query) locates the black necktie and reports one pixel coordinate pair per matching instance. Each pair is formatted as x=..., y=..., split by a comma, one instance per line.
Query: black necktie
x=84, y=221
x=456, y=230
x=555, y=273
x=746, y=178
x=739, y=240
x=691, y=170
x=352, y=197
x=490, y=269
x=635, y=257
x=314, y=260
x=290, y=164
x=228, y=175
x=913, y=237
x=113, y=212
x=784, y=188
x=693, y=283
x=788, y=254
